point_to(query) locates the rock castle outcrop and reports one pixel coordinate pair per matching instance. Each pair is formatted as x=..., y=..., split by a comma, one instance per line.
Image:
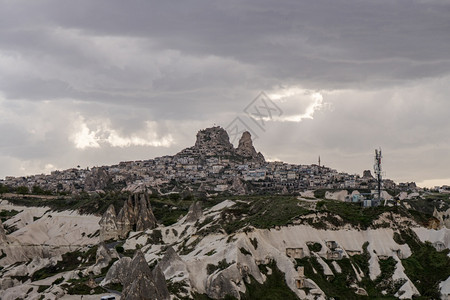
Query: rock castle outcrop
x=136, y=214
x=215, y=141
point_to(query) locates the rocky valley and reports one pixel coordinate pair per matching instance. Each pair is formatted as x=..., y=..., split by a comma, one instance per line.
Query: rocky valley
x=218, y=222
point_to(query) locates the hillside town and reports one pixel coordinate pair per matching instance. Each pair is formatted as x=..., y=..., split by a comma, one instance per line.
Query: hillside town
x=308, y=232
x=212, y=165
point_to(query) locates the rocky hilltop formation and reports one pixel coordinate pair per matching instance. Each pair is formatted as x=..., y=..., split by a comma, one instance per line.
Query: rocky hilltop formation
x=135, y=215
x=215, y=141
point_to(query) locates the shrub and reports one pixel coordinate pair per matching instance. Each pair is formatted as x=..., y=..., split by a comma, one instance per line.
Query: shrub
x=58, y=280
x=245, y=251
x=314, y=247
x=22, y=190
x=42, y=288
x=222, y=265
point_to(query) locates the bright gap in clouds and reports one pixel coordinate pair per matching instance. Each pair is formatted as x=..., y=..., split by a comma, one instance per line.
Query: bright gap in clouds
x=104, y=134
x=85, y=138
x=302, y=104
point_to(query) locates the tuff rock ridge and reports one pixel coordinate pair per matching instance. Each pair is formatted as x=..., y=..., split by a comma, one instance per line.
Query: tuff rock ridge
x=136, y=214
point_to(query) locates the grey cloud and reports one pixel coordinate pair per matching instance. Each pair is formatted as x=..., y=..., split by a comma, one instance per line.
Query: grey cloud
x=187, y=65
x=320, y=44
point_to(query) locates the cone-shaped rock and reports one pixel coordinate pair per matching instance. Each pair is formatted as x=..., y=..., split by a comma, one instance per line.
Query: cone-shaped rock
x=238, y=186
x=195, y=212
x=108, y=225
x=160, y=283
x=118, y=272
x=169, y=257
x=246, y=148
x=145, y=218
x=136, y=214
x=141, y=284
x=172, y=264
x=125, y=218
x=103, y=255
x=2, y=233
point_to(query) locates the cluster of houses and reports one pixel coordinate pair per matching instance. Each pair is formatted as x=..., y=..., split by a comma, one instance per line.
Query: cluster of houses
x=213, y=174
x=211, y=165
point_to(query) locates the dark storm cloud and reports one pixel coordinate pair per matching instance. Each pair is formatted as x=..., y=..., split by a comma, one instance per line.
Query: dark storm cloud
x=323, y=44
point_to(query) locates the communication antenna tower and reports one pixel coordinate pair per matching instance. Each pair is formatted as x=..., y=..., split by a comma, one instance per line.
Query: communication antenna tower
x=378, y=172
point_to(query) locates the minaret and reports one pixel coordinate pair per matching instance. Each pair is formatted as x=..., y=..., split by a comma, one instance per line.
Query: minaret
x=320, y=173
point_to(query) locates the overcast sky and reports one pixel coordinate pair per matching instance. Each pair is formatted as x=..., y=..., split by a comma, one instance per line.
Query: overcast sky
x=98, y=82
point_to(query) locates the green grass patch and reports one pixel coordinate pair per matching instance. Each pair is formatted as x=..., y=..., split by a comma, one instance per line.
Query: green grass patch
x=352, y=213
x=177, y=288
x=114, y=286
x=58, y=280
x=70, y=261
x=83, y=289
x=274, y=288
x=320, y=193
x=261, y=212
x=338, y=286
x=426, y=268
x=245, y=251
x=222, y=265
x=85, y=203
x=42, y=288
x=8, y=214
